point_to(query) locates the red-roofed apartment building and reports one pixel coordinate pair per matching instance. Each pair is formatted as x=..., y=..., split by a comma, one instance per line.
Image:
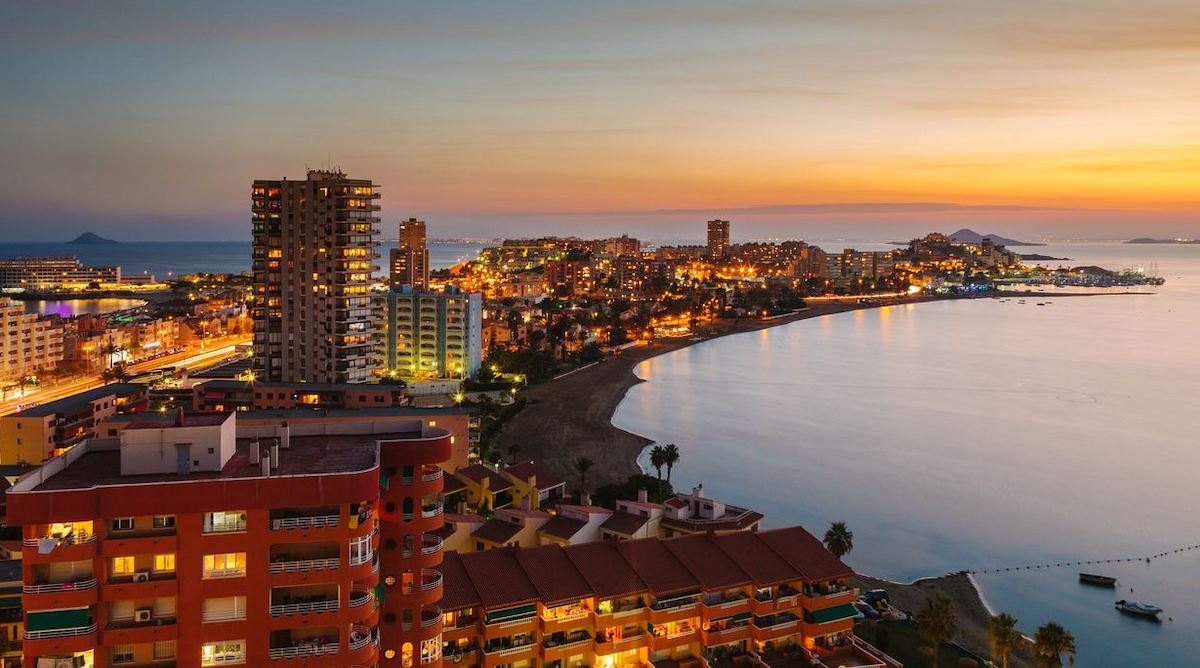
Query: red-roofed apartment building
x=699, y=601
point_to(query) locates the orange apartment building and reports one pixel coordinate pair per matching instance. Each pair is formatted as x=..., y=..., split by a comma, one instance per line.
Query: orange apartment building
x=700, y=601
x=195, y=541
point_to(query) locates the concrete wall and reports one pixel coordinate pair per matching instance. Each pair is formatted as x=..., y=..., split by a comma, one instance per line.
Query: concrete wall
x=156, y=450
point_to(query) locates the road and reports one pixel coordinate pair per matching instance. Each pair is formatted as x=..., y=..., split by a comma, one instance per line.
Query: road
x=214, y=351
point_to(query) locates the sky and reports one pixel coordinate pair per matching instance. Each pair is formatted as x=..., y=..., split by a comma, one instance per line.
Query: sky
x=853, y=118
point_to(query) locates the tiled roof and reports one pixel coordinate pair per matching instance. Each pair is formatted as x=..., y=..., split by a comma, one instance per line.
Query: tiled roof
x=477, y=472
x=657, y=566
x=805, y=553
x=707, y=562
x=752, y=555
x=523, y=471
x=553, y=575
x=83, y=398
x=497, y=531
x=604, y=569
x=498, y=578
x=457, y=592
x=563, y=527
x=625, y=523
x=450, y=485
x=728, y=522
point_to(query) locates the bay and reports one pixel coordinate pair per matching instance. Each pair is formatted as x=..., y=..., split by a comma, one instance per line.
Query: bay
x=975, y=435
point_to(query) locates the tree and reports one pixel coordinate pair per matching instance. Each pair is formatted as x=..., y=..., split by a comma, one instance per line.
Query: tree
x=839, y=540
x=658, y=459
x=936, y=623
x=1049, y=644
x=670, y=457
x=581, y=468
x=1004, y=637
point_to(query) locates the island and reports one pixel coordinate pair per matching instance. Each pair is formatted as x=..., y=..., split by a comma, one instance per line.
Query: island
x=89, y=238
x=1036, y=257
x=969, y=236
x=1148, y=240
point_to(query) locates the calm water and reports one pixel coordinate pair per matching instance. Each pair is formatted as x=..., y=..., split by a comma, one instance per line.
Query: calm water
x=69, y=308
x=972, y=435
x=167, y=259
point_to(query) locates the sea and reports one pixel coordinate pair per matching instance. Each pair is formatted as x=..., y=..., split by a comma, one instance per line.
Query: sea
x=1010, y=439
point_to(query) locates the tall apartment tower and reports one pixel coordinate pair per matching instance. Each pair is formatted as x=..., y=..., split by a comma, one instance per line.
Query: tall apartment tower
x=433, y=334
x=410, y=261
x=314, y=247
x=718, y=237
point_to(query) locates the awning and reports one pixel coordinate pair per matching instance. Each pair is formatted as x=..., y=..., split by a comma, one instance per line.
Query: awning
x=14, y=602
x=59, y=619
x=843, y=611
x=511, y=613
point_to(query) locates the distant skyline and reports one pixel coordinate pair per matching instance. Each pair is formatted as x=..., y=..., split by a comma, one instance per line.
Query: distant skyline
x=863, y=119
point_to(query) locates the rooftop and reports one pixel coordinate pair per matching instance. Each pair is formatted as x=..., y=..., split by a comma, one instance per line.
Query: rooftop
x=98, y=462
x=525, y=470
x=478, y=472
x=625, y=523
x=222, y=384
x=497, y=531
x=563, y=527
x=608, y=569
x=82, y=399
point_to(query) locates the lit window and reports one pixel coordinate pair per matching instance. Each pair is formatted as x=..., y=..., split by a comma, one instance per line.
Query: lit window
x=164, y=563
x=223, y=652
x=228, y=565
x=122, y=566
x=225, y=521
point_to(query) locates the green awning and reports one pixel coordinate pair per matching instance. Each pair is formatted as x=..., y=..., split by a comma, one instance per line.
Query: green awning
x=59, y=619
x=735, y=618
x=385, y=481
x=833, y=614
x=511, y=613
x=380, y=593
x=7, y=603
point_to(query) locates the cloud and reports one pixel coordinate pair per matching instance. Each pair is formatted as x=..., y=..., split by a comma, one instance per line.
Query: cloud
x=831, y=208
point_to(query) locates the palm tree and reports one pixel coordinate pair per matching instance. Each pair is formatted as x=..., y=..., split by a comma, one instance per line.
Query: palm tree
x=670, y=458
x=1049, y=644
x=581, y=467
x=1004, y=637
x=658, y=459
x=936, y=623
x=839, y=540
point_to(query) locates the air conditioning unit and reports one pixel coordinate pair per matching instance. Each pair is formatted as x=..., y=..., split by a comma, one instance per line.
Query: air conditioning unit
x=143, y=576
x=142, y=615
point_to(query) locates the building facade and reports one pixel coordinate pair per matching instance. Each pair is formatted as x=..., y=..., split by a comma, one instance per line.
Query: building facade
x=252, y=546
x=718, y=238
x=314, y=252
x=433, y=334
x=28, y=343
x=42, y=273
x=410, y=260
x=40, y=432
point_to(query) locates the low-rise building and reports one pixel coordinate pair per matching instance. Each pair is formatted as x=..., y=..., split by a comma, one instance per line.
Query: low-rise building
x=45, y=273
x=699, y=600
x=695, y=513
x=530, y=481
x=234, y=395
x=40, y=432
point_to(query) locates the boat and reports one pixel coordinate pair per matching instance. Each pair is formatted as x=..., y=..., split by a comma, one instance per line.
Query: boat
x=1093, y=579
x=1139, y=609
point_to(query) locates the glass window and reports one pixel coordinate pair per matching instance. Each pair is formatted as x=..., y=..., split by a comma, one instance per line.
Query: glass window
x=225, y=521
x=228, y=565
x=122, y=524
x=164, y=563
x=360, y=550
x=122, y=654
x=164, y=649
x=164, y=521
x=122, y=566
x=223, y=652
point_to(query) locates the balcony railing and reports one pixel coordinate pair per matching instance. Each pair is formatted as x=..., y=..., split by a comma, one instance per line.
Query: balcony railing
x=430, y=580
x=296, y=651
x=89, y=583
x=430, y=616
x=61, y=633
x=505, y=651
x=222, y=615
x=360, y=637
x=304, y=565
x=431, y=510
x=69, y=539
x=432, y=473
x=224, y=659
x=308, y=522
x=308, y=607
x=359, y=598
x=430, y=544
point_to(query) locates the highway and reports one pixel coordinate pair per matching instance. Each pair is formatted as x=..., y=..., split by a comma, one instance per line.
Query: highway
x=214, y=351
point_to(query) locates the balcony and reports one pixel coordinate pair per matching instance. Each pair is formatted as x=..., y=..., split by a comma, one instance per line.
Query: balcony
x=360, y=597
x=88, y=583
x=305, y=607
x=319, y=647
x=59, y=624
x=318, y=520
x=430, y=580
x=430, y=545
x=431, y=510
x=431, y=615
x=305, y=565
x=60, y=633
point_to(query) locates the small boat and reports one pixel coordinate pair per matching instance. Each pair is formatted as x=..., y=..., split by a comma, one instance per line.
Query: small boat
x=1139, y=609
x=1101, y=580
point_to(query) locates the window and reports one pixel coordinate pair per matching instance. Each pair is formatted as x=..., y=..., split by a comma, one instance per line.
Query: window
x=122, y=524
x=228, y=565
x=360, y=550
x=164, y=521
x=164, y=563
x=223, y=652
x=225, y=521
x=431, y=650
x=122, y=566
x=224, y=608
x=164, y=649
x=122, y=654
